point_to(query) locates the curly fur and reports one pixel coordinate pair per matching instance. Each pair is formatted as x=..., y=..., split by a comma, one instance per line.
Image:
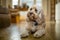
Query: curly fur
x=35, y=21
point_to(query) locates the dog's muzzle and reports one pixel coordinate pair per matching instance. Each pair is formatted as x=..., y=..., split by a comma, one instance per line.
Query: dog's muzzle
x=31, y=13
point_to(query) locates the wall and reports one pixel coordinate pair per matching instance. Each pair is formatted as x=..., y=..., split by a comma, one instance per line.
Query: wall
x=49, y=9
x=46, y=8
x=57, y=15
x=8, y=3
x=57, y=12
x=0, y=2
x=5, y=3
x=53, y=3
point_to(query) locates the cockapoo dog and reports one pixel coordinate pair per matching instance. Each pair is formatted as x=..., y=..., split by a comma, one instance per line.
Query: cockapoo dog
x=35, y=23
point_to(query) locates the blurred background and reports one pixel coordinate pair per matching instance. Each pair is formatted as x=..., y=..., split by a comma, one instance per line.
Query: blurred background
x=13, y=16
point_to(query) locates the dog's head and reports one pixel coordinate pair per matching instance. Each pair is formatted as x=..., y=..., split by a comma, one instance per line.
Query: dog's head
x=32, y=13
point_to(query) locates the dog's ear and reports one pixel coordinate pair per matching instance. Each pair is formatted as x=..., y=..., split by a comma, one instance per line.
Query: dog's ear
x=41, y=15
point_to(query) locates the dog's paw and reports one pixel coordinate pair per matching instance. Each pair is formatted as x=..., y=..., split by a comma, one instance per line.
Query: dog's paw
x=39, y=33
x=24, y=35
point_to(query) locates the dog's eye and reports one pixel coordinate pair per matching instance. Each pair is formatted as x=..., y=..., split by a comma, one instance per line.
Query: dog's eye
x=36, y=10
x=31, y=9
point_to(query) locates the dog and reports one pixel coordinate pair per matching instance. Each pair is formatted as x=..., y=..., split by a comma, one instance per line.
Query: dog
x=35, y=22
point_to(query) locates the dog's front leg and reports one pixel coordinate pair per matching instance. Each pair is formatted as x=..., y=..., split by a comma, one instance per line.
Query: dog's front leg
x=24, y=32
x=29, y=25
x=40, y=32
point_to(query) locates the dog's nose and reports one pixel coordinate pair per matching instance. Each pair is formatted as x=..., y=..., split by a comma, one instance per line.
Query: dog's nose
x=31, y=13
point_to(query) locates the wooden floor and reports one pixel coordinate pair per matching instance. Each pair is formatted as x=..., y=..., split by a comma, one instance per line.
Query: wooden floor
x=12, y=32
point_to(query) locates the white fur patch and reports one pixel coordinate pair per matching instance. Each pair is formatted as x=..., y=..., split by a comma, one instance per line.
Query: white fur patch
x=39, y=33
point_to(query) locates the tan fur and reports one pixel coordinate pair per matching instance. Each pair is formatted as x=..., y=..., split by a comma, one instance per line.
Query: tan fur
x=39, y=18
